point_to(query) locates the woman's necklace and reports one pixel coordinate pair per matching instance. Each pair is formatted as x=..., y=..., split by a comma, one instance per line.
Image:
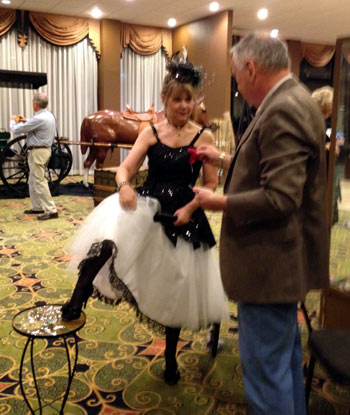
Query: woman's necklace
x=178, y=128
x=178, y=132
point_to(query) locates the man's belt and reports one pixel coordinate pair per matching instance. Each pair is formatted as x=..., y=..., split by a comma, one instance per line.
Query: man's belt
x=32, y=147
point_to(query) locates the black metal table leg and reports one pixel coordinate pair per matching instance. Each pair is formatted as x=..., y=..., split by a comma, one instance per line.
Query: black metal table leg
x=45, y=322
x=29, y=340
x=33, y=373
x=71, y=371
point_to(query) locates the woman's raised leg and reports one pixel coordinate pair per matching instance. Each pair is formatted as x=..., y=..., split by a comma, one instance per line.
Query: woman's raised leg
x=89, y=268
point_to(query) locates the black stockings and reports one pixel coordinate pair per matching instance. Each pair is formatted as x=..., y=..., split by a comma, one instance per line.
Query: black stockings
x=171, y=374
x=171, y=339
x=213, y=341
x=88, y=271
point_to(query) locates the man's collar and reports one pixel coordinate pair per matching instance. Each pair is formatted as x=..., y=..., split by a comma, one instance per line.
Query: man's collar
x=273, y=89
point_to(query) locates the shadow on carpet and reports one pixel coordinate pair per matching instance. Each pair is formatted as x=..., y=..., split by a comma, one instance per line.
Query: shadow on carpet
x=66, y=189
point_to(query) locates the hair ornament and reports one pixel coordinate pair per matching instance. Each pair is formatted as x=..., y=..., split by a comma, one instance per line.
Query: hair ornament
x=184, y=71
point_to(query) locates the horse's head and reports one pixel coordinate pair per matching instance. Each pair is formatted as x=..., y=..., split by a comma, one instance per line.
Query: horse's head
x=200, y=115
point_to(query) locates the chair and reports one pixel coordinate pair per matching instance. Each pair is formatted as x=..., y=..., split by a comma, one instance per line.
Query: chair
x=331, y=349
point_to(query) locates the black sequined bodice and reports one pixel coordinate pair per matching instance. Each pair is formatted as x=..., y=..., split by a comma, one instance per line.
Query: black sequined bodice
x=170, y=180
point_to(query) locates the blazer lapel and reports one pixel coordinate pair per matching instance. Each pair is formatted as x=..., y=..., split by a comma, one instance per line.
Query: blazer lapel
x=239, y=145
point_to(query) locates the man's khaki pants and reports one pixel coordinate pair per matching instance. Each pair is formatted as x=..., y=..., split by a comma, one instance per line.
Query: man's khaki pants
x=39, y=192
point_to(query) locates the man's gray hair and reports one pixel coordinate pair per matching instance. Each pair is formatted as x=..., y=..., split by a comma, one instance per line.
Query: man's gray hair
x=40, y=99
x=271, y=54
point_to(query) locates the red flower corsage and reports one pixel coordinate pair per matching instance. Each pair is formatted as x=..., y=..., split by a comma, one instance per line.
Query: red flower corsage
x=193, y=155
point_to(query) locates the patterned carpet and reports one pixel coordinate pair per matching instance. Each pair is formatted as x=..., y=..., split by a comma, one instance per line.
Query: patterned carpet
x=120, y=360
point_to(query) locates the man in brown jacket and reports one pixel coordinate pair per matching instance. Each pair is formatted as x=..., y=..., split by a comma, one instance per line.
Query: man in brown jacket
x=274, y=240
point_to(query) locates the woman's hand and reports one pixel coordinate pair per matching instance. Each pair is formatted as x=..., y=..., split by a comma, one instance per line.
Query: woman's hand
x=184, y=215
x=127, y=198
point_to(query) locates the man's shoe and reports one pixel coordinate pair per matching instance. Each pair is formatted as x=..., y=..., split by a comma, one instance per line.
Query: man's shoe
x=47, y=216
x=33, y=212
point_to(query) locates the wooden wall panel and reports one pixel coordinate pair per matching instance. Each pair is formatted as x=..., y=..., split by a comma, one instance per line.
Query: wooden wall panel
x=109, y=66
x=208, y=42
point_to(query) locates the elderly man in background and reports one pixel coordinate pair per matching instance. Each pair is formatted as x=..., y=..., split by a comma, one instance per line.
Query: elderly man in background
x=275, y=236
x=40, y=131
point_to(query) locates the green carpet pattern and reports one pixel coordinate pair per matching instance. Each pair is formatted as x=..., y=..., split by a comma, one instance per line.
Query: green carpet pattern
x=121, y=361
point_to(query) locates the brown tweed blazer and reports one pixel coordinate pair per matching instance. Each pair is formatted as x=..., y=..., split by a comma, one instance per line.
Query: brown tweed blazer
x=275, y=235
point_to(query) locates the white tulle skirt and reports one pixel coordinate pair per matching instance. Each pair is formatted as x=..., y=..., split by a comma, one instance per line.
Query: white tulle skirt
x=173, y=286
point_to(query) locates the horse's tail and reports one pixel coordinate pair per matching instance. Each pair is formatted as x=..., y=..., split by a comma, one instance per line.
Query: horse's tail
x=84, y=134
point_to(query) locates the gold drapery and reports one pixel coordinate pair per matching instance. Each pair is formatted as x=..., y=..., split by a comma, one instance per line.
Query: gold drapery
x=145, y=40
x=7, y=20
x=66, y=30
x=317, y=55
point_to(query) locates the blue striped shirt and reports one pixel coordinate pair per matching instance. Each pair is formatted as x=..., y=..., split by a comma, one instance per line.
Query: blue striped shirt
x=40, y=129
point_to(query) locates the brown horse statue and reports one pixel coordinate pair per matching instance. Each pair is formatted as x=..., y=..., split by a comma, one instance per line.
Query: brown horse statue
x=113, y=127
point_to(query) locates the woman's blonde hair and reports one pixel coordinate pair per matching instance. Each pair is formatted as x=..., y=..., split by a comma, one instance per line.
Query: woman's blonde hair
x=324, y=98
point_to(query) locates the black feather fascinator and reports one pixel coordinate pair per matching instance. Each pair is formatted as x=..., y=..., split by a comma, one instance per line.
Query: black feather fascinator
x=185, y=72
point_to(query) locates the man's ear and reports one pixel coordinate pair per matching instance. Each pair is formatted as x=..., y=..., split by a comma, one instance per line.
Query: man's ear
x=251, y=68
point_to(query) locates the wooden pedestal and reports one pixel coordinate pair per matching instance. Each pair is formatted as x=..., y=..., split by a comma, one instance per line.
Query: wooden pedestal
x=335, y=309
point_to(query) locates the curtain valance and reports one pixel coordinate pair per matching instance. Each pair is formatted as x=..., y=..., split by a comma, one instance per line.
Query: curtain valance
x=66, y=30
x=317, y=55
x=145, y=40
x=7, y=20
x=56, y=29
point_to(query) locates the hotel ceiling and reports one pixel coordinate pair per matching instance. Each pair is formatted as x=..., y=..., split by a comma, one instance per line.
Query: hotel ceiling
x=321, y=21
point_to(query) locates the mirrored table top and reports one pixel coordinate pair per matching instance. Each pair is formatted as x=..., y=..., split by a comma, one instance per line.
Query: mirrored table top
x=45, y=321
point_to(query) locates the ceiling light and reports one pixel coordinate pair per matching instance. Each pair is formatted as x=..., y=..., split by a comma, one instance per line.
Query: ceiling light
x=214, y=6
x=274, y=33
x=6, y=1
x=171, y=22
x=262, y=14
x=96, y=13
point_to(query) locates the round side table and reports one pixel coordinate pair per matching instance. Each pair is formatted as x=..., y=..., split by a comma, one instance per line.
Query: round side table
x=45, y=322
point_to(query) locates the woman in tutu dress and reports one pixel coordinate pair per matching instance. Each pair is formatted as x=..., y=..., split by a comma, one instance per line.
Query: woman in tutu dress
x=153, y=246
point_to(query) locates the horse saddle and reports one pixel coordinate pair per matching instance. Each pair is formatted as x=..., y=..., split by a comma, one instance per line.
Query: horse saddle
x=149, y=116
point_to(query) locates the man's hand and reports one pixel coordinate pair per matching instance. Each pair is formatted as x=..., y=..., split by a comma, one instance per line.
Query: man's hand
x=208, y=154
x=207, y=199
x=18, y=118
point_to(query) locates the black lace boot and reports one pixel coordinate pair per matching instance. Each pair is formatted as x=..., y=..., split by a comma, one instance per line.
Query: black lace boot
x=171, y=374
x=84, y=287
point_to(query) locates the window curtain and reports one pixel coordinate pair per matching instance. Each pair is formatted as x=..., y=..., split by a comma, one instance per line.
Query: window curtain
x=71, y=88
x=141, y=81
